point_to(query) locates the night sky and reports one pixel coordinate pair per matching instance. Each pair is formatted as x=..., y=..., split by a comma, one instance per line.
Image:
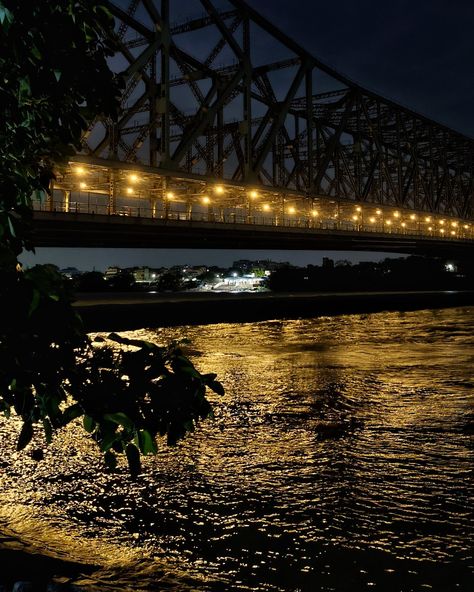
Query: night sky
x=419, y=53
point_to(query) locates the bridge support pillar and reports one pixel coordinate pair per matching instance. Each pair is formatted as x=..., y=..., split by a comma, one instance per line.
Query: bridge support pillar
x=112, y=206
x=66, y=200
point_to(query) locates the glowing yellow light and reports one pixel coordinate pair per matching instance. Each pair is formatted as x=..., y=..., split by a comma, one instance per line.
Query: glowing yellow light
x=396, y=214
x=82, y=185
x=372, y=220
x=359, y=209
x=253, y=195
x=442, y=231
x=403, y=225
x=266, y=207
x=291, y=210
x=453, y=232
x=428, y=219
x=170, y=195
x=206, y=200
x=129, y=190
x=79, y=170
x=133, y=178
x=355, y=218
x=379, y=212
x=389, y=222
x=413, y=217
x=314, y=213
x=454, y=224
x=219, y=189
x=441, y=222
x=466, y=226
x=430, y=228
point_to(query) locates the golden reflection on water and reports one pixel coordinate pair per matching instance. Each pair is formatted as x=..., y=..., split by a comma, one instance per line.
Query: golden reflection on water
x=339, y=442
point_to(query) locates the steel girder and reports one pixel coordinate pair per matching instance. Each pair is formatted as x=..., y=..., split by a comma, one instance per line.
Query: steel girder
x=290, y=123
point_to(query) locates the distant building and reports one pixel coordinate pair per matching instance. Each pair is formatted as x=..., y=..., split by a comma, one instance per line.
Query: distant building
x=70, y=272
x=112, y=272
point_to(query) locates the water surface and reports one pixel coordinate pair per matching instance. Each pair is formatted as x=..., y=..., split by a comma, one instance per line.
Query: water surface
x=340, y=459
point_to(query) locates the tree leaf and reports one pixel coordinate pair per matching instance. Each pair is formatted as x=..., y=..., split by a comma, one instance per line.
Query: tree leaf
x=25, y=435
x=133, y=457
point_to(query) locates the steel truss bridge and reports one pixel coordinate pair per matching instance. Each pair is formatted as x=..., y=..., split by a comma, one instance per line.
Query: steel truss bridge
x=216, y=145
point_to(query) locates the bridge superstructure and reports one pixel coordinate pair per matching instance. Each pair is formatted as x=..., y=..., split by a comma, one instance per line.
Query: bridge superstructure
x=211, y=130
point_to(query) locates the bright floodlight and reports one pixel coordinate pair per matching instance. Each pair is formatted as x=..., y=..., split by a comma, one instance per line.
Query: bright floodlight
x=170, y=195
x=219, y=189
x=253, y=194
x=82, y=185
x=206, y=200
x=133, y=178
x=129, y=190
x=79, y=170
x=291, y=210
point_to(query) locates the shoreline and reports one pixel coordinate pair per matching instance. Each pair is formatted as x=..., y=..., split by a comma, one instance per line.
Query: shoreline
x=131, y=311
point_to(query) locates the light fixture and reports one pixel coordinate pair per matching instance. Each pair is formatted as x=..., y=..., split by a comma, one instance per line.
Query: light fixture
x=206, y=200
x=372, y=220
x=355, y=218
x=170, y=195
x=413, y=217
x=430, y=228
x=253, y=194
x=441, y=222
x=219, y=189
x=453, y=232
x=403, y=224
x=82, y=185
x=359, y=209
x=389, y=222
x=314, y=213
x=442, y=231
x=396, y=214
x=291, y=210
x=379, y=212
x=133, y=178
x=266, y=207
x=454, y=224
x=129, y=190
x=79, y=170
x=428, y=219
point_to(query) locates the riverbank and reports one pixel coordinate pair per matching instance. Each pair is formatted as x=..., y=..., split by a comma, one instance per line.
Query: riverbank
x=129, y=311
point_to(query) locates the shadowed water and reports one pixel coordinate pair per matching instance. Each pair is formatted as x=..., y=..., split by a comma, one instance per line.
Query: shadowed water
x=340, y=459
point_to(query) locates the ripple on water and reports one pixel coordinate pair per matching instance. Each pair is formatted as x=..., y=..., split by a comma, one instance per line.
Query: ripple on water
x=340, y=459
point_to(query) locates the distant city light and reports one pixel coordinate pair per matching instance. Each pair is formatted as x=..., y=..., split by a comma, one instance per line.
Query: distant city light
x=454, y=224
x=453, y=232
x=355, y=218
x=389, y=222
x=428, y=219
x=430, y=228
x=396, y=214
x=359, y=209
x=466, y=226
x=413, y=217
x=372, y=220
x=266, y=207
x=450, y=267
x=378, y=212
x=315, y=213
x=441, y=222
x=442, y=231
x=403, y=224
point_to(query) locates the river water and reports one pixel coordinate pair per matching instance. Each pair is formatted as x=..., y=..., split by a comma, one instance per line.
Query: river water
x=340, y=459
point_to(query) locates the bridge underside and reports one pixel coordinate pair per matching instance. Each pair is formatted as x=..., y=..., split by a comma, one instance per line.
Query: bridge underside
x=56, y=229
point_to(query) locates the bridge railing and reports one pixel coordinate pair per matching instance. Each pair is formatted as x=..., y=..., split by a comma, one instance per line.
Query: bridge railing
x=176, y=213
